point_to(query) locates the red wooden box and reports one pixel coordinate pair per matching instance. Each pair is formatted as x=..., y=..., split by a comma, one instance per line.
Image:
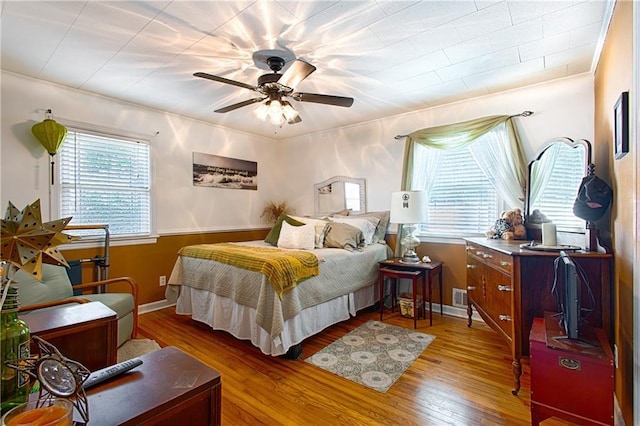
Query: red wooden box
x=570, y=380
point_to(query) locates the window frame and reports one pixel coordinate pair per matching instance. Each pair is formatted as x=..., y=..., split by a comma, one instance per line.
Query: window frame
x=97, y=239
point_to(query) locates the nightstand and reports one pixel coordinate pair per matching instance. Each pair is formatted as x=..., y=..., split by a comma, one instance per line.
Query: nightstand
x=394, y=269
x=85, y=332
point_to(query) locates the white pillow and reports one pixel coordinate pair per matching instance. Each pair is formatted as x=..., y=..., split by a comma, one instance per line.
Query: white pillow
x=320, y=226
x=365, y=225
x=297, y=237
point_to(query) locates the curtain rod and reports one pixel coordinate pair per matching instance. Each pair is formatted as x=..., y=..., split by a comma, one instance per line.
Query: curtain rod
x=522, y=114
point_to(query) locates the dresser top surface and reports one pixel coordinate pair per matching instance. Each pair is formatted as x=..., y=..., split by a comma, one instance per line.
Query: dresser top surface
x=512, y=248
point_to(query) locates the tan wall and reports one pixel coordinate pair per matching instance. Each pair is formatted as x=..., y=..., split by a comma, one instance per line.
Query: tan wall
x=613, y=76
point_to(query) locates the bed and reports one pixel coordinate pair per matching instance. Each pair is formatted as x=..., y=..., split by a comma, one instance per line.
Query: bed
x=246, y=304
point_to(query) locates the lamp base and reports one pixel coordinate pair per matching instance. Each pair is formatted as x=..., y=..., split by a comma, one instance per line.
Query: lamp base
x=410, y=257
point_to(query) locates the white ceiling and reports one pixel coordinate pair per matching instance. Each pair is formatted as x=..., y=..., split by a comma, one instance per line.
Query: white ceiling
x=392, y=57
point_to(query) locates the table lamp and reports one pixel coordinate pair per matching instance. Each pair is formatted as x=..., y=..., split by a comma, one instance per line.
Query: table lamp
x=409, y=208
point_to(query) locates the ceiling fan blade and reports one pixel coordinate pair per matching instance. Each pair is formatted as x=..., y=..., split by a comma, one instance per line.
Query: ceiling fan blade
x=240, y=105
x=297, y=72
x=323, y=99
x=224, y=80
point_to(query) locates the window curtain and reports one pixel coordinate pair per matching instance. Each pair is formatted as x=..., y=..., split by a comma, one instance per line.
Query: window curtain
x=540, y=175
x=500, y=156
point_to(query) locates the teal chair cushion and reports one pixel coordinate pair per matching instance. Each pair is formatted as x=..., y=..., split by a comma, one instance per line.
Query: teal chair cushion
x=55, y=285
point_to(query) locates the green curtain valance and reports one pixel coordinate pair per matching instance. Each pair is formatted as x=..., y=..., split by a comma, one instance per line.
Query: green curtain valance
x=462, y=134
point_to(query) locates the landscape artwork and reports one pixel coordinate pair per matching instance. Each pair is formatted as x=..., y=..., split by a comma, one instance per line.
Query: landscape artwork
x=223, y=172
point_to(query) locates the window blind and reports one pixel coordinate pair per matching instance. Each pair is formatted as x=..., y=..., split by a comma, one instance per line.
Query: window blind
x=462, y=200
x=106, y=180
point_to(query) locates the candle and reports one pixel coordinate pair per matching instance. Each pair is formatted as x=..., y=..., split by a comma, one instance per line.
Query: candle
x=549, y=234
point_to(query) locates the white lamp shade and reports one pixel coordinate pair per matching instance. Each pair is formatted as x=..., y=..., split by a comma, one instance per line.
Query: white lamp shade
x=408, y=207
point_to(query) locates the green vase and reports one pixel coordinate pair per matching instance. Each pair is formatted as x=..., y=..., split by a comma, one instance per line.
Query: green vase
x=14, y=344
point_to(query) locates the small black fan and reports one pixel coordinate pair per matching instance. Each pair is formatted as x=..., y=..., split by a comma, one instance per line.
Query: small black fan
x=274, y=87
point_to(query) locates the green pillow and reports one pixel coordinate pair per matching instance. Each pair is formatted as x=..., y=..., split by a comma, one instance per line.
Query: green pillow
x=274, y=234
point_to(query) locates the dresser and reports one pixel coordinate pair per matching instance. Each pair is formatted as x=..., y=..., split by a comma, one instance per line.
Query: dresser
x=509, y=287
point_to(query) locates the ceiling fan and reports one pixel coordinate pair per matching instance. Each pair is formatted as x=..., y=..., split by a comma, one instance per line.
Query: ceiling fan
x=274, y=87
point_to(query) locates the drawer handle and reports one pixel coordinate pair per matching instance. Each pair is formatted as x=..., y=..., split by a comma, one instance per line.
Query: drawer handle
x=471, y=266
x=504, y=287
x=486, y=255
x=471, y=287
x=504, y=263
x=470, y=248
x=479, y=253
x=504, y=317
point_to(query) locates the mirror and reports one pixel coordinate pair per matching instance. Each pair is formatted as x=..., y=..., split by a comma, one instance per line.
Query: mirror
x=339, y=193
x=554, y=178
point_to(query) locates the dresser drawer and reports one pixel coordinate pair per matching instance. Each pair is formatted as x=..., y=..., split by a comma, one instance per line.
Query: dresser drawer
x=475, y=269
x=491, y=257
x=498, y=300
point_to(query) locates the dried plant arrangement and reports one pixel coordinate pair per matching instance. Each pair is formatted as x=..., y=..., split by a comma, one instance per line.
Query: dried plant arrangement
x=273, y=210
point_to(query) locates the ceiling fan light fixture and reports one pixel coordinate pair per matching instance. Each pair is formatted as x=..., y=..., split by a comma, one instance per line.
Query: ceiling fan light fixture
x=262, y=111
x=275, y=112
x=276, y=120
x=288, y=111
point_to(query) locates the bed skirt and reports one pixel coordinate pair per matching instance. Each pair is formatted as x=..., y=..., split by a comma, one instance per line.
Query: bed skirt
x=221, y=313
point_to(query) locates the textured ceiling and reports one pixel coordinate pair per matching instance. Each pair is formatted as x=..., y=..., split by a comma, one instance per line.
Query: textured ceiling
x=392, y=57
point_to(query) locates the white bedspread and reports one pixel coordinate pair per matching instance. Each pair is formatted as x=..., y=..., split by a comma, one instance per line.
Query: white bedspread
x=341, y=272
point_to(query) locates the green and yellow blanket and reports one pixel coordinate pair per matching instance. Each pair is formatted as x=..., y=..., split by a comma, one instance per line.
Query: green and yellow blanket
x=283, y=268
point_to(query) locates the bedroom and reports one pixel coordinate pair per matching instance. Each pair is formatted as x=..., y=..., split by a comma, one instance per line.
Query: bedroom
x=576, y=106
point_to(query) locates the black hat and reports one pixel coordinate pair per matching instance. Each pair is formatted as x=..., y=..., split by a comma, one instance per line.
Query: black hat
x=594, y=197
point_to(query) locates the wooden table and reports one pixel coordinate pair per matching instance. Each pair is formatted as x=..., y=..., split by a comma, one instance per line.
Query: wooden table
x=169, y=388
x=84, y=332
x=394, y=268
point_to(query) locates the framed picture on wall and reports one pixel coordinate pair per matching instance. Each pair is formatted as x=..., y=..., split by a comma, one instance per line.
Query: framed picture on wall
x=621, y=126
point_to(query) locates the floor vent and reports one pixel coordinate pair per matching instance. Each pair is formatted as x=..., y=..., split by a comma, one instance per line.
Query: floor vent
x=459, y=298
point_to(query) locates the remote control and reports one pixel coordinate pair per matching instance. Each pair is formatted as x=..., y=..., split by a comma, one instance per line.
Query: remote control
x=106, y=373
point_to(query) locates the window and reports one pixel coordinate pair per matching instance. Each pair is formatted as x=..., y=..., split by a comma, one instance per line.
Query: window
x=352, y=196
x=461, y=200
x=463, y=191
x=105, y=180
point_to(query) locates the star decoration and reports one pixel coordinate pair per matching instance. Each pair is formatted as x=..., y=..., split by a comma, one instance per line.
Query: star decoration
x=27, y=243
x=59, y=377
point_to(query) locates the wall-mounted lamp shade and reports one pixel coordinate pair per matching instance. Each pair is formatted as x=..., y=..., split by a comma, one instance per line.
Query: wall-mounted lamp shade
x=408, y=207
x=49, y=133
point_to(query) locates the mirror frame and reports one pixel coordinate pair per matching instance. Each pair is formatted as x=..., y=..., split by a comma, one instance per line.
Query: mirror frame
x=534, y=231
x=335, y=179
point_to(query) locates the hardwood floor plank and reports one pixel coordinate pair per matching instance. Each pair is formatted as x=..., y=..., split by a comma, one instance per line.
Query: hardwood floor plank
x=463, y=378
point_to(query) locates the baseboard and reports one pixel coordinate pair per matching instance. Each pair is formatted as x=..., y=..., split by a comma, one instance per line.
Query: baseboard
x=618, y=418
x=453, y=311
x=154, y=306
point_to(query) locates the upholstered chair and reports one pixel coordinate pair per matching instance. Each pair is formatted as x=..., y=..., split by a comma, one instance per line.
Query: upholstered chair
x=56, y=289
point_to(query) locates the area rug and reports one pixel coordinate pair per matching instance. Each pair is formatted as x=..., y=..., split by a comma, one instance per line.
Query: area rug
x=374, y=355
x=136, y=347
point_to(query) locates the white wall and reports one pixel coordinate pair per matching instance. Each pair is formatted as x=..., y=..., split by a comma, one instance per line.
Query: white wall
x=287, y=170
x=180, y=206
x=561, y=108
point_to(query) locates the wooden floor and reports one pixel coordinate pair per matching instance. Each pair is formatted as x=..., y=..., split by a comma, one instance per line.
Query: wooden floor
x=462, y=378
